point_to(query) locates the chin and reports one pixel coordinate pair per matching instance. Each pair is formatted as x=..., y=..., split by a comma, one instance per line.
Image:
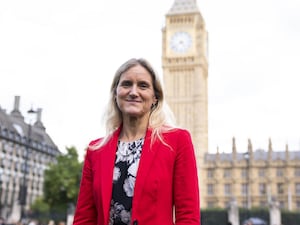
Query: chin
x=134, y=114
x=131, y=114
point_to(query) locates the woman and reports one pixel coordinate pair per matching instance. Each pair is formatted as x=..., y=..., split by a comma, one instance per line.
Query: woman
x=143, y=167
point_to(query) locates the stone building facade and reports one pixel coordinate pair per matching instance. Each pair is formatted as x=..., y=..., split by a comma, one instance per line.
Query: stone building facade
x=26, y=150
x=251, y=177
x=185, y=71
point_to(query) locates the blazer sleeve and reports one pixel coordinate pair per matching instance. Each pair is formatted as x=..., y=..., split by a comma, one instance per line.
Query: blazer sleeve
x=85, y=212
x=186, y=189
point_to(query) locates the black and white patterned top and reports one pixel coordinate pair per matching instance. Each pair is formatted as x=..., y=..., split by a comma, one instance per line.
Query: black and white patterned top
x=126, y=164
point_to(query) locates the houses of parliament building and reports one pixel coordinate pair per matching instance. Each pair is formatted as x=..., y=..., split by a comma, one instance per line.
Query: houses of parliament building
x=250, y=177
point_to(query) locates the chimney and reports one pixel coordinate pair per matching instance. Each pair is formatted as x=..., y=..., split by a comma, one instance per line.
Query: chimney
x=16, y=111
x=38, y=122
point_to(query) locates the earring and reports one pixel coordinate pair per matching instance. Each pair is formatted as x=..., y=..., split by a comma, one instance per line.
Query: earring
x=153, y=105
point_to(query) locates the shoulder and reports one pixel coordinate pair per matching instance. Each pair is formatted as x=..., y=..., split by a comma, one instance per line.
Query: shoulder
x=95, y=144
x=100, y=143
x=95, y=141
x=176, y=132
x=176, y=137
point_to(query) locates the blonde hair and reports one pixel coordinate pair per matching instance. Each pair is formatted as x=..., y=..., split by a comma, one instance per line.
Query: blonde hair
x=161, y=118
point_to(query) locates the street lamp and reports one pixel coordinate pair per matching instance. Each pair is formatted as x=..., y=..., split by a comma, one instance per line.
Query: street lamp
x=246, y=156
x=23, y=186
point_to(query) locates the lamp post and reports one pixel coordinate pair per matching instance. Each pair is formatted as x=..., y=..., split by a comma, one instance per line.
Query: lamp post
x=23, y=186
x=246, y=156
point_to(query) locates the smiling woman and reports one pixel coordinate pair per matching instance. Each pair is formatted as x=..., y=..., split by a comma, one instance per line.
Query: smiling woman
x=135, y=95
x=144, y=166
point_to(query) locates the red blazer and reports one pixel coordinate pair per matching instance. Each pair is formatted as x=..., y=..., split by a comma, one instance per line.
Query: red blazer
x=166, y=177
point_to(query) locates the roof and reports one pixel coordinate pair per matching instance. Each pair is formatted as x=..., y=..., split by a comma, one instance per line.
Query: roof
x=183, y=6
x=14, y=128
x=258, y=155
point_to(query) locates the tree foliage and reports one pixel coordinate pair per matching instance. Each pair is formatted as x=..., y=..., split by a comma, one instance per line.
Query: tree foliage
x=40, y=206
x=62, y=180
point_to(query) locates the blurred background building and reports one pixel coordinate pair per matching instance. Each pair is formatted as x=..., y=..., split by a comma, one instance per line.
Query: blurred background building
x=251, y=177
x=26, y=150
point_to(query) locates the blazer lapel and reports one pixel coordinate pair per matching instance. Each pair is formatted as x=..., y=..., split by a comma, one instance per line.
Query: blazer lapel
x=148, y=154
x=107, y=166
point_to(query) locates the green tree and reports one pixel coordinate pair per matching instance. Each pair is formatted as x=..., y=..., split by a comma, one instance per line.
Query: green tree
x=40, y=210
x=40, y=206
x=62, y=180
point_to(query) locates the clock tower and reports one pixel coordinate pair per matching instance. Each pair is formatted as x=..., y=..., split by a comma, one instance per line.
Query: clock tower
x=185, y=70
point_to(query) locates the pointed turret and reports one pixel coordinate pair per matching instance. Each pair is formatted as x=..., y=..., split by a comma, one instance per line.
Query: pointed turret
x=184, y=6
x=270, y=149
x=250, y=149
x=233, y=149
x=287, y=154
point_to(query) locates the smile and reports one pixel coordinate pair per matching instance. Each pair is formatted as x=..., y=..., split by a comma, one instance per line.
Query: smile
x=134, y=101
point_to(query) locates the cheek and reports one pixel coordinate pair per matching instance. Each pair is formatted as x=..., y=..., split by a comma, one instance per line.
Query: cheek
x=119, y=93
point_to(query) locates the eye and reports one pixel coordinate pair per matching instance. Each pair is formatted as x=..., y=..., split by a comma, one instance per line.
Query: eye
x=126, y=83
x=144, y=85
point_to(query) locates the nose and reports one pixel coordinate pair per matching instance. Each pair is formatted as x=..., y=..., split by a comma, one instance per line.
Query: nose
x=133, y=91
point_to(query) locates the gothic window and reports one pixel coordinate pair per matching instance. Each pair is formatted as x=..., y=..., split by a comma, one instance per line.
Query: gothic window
x=212, y=204
x=280, y=188
x=298, y=205
x=244, y=189
x=297, y=172
x=210, y=173
x=297, y=189
x=227, y=189
x=262, y=188
x=279, y=172
x=244, y=173
x=263, y=204
x=210, y=189
x=227, y=173
x=281, y=204
x=261, y=172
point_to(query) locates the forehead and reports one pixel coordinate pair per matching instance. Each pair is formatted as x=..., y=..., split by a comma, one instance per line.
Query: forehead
x=136, y=72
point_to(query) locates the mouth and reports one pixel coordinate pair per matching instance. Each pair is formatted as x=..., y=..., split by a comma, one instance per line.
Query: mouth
x=133, y=101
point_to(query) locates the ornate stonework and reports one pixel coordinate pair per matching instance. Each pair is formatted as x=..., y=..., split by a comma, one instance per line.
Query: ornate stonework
x=185, y=70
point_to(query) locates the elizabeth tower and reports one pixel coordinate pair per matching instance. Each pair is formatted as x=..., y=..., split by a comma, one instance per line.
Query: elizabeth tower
x=185, y=70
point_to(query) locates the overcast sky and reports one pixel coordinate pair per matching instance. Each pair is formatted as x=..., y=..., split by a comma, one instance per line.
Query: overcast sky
x=60, y=55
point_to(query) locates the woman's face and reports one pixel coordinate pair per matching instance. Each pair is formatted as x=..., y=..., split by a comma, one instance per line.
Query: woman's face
x=135, y=92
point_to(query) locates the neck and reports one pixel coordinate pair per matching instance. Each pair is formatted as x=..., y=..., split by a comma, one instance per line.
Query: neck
x=133, y=129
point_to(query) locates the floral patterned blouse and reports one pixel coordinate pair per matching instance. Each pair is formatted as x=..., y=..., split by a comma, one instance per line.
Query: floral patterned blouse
x=127, y=160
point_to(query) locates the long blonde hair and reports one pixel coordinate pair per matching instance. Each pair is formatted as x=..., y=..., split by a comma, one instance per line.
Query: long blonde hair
x=161, y=118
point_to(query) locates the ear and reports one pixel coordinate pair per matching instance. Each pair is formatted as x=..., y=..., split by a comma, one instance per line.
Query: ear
x=154, y=104
x=155, y=100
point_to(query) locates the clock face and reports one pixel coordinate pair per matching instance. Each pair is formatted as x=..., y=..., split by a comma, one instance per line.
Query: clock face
x=181, y=42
